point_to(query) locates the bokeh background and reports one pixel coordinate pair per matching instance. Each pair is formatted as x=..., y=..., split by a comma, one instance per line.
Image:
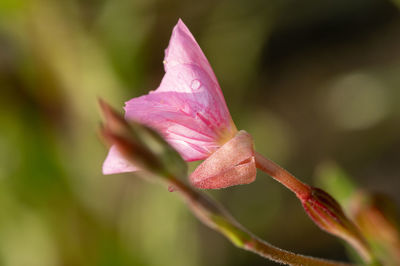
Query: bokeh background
x=315, y=82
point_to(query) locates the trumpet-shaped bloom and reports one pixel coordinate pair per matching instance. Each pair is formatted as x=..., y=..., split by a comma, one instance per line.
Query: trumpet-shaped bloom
x=188, y=109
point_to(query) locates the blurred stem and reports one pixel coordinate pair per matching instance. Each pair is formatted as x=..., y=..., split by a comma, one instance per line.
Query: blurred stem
x=301, y=189
x=212, y=214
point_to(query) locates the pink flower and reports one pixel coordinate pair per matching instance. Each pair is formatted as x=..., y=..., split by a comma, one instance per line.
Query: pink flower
x=189, y=110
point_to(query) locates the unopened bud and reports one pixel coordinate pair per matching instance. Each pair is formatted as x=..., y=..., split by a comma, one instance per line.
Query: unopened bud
x=326, y=212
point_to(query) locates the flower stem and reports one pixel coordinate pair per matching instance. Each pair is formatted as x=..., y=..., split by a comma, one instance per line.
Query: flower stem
x=301, y=189
x=322, y=208
x=212, y=214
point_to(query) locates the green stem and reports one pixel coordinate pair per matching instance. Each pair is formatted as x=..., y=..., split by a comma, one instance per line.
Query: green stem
x=212, y=214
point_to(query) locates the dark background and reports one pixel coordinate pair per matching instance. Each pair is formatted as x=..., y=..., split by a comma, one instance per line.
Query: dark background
x=312, y=81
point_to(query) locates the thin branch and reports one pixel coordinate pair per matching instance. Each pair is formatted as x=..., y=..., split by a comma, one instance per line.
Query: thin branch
x=215, y=216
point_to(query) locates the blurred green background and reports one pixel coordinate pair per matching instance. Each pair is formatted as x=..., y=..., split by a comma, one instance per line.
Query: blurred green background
x=311, y=80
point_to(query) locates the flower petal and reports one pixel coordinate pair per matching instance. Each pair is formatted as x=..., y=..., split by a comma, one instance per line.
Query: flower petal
x=232, y=164
x=115, y=163
x=188, y=107
x=183, y=49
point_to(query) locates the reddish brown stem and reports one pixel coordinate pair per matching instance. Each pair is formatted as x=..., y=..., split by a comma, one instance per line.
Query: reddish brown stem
x=324, y=210
x=301, y=190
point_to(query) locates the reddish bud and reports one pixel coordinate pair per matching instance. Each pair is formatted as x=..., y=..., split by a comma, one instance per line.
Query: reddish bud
x=326, y=212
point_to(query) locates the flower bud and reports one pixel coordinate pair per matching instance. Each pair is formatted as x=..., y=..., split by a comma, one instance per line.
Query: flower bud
x=141, y=145
x=326, y=212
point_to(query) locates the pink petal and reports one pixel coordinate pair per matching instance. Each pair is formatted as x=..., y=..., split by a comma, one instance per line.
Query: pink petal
x=115, y=163
x=232, y=164
x=188, y=107
x=183, y=49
